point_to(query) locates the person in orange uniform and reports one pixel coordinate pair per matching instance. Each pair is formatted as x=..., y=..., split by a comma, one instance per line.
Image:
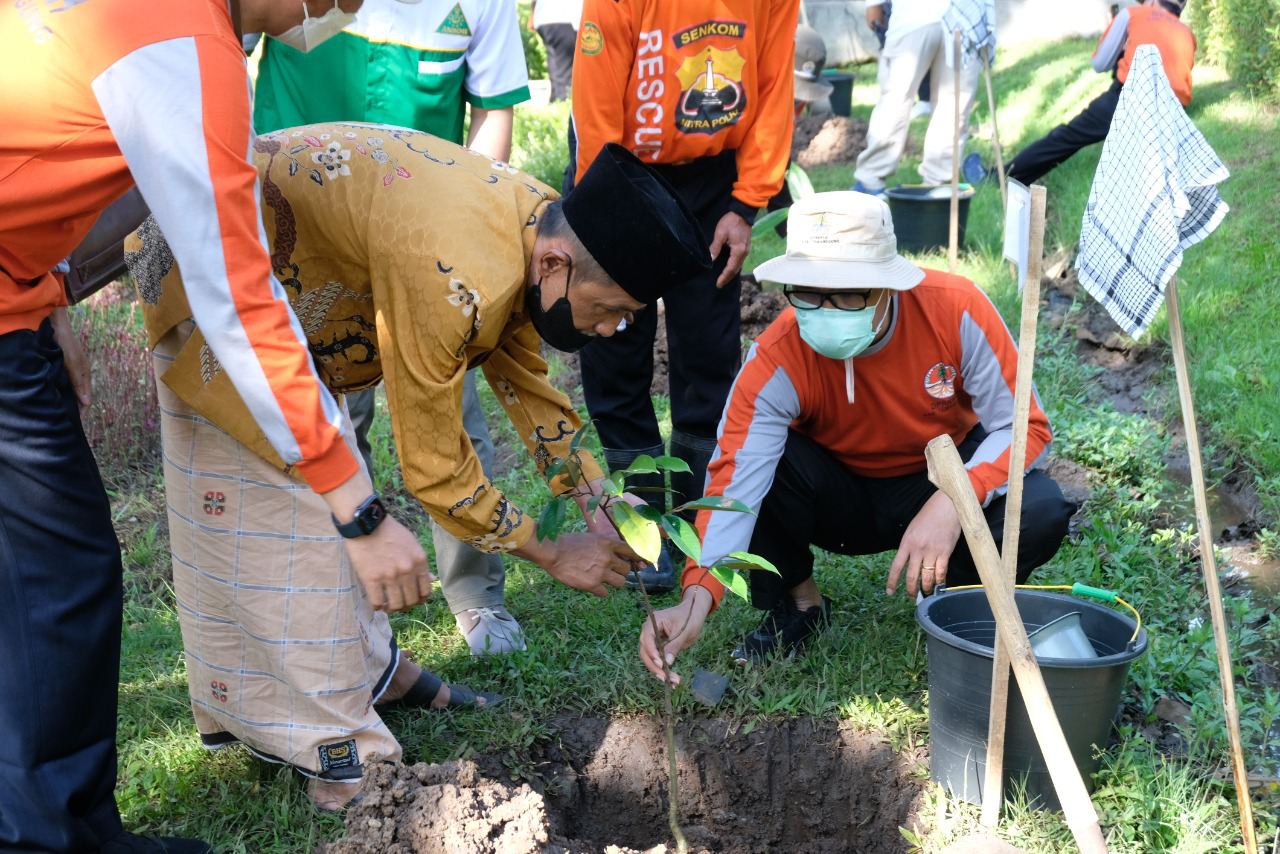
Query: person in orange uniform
x=703, y=91
x=1155, y=22
x=824, y=434
x=116, y=92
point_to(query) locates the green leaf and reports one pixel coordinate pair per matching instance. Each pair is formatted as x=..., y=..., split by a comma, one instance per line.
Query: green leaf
x=610, y=487
x=671, y=464
x=551, y=520
x=573, y=471
x=746, y=561
x=642, y=464
x=650, y=513
x=731, y=580
x=638, y=532
x=684, y=535
x=798, y=182
x=578, y=437
x=714, y=502
x=592, y=503
x=768, y=221
x=551, y=472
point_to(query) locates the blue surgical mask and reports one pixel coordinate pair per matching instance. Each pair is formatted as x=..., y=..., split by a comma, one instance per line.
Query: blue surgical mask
x=838, y=334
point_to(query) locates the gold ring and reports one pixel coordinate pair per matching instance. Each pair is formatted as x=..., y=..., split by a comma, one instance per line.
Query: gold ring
x=931, y=568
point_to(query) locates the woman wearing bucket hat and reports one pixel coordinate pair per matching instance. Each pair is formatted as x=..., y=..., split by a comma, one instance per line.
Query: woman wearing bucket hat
x=824, y=433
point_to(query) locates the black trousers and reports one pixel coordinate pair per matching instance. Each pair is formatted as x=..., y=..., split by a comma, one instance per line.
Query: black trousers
x=560, y=40
x=60, y=611
x=815, y=500
x=703, y=339
x=1090, y=126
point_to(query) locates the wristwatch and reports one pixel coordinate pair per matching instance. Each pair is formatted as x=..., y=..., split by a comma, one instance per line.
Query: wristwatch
x=369, y=515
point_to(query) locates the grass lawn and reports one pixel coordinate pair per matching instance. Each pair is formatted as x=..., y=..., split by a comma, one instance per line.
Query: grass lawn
x=870, y=668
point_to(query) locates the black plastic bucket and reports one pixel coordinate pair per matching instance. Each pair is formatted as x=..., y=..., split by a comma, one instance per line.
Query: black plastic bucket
x=922, y=215
x=1085, y=692
x=841, y=92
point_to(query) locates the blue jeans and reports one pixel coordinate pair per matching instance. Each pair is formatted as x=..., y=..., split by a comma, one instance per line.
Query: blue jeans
x=60, y=609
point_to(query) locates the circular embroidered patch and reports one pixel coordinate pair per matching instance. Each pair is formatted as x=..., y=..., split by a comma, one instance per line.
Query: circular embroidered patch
x=940, y=381
x=592, y=38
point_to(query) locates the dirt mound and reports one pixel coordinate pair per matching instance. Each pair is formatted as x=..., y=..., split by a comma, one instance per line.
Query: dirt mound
x=826, y=139
x=446, y=809
x=805, y=786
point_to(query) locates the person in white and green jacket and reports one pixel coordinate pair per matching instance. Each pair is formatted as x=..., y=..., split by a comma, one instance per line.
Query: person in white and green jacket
x=418, y=65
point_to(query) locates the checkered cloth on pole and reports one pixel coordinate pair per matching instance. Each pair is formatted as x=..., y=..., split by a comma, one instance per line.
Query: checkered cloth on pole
x=976, y=21
x=1153, y=196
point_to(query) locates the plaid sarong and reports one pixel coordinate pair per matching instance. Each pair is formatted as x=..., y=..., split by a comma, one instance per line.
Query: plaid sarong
x=976, y=21
x=284, y=653
x=1153, y=196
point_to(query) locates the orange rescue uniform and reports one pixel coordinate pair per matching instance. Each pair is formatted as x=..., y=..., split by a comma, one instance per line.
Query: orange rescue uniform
x=1174, y=39
x=103, y=93
x=677, y=81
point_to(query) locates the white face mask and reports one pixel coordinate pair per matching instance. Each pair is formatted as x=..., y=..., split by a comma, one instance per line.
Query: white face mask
x=313, y=31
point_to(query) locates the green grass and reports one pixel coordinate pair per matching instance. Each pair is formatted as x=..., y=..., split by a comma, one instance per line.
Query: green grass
x=870, y=668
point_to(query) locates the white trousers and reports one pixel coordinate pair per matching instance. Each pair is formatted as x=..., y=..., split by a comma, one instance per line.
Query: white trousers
x=903, y=64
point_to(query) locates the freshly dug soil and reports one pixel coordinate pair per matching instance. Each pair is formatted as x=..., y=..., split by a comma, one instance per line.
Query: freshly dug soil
x=826, y=139
x=805, y=786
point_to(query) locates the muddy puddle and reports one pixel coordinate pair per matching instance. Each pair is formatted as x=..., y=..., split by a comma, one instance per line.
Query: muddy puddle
x=805, y=786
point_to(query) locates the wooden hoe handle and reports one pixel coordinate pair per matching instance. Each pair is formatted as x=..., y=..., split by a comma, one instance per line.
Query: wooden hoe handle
x=947, y=472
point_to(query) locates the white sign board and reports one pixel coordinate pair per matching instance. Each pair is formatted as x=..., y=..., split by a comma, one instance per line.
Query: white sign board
x=1017, y=228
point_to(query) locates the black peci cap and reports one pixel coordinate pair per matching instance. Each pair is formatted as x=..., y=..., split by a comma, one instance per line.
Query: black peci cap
x=635, y=226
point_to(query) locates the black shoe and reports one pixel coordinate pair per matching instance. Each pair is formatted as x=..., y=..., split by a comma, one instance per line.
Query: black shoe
x=132, y=843
x=657, y=579
x=787, y=628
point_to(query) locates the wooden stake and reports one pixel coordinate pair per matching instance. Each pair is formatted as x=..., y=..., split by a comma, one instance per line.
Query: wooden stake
x=954, y=246
x=947, y=472
x=1209, y=568
x=995, y=131
x=992, y=791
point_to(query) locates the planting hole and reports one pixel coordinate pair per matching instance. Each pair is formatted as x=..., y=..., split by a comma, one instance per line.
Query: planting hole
x=804, y=785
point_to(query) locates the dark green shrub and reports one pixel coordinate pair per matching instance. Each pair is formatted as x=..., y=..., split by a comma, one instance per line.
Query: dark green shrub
x=535, y=55
x=539, y=141
x=1241, y=36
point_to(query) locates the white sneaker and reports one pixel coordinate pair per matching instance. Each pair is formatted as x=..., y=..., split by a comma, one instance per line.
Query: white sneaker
x=490, y=631
x=921, y=108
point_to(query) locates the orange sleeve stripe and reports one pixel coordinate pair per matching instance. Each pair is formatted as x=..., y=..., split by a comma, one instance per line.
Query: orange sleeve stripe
x=326, y=461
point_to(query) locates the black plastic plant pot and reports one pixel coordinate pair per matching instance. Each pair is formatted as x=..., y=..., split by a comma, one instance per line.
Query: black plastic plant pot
x=922, y=216
x=1085, y=692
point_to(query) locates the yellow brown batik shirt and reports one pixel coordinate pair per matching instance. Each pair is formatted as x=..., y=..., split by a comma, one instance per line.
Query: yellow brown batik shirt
x=405, y=259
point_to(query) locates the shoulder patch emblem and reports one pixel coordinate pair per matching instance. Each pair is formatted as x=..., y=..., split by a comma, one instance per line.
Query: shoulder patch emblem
x=940, y=381
x=455, y=23
x=592, y=40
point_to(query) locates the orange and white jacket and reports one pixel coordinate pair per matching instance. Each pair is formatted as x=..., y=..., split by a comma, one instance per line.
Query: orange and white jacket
x=947, y=364
x=1135, y=26
x=675, y=81
x=100, y=94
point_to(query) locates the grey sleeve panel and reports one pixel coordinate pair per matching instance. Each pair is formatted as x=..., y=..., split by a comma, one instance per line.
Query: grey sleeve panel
x=777, y=405
x=1112, y=45
x=992, y=398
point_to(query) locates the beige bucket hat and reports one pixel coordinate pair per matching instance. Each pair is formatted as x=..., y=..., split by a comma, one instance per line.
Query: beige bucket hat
x=841, y=240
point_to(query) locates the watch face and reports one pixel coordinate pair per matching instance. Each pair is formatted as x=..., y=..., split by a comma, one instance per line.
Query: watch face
x=371, y=515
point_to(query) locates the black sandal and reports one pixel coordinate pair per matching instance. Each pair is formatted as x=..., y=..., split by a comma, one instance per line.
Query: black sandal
x=424, y=690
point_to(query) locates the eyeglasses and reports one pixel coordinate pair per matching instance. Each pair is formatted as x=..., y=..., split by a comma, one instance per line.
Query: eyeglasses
x=841, y=300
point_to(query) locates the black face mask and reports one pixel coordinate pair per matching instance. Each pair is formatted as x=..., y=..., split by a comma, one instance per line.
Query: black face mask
x=555, y=325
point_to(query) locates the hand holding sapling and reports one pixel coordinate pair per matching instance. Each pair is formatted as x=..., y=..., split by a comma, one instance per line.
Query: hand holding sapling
x=678, y=629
